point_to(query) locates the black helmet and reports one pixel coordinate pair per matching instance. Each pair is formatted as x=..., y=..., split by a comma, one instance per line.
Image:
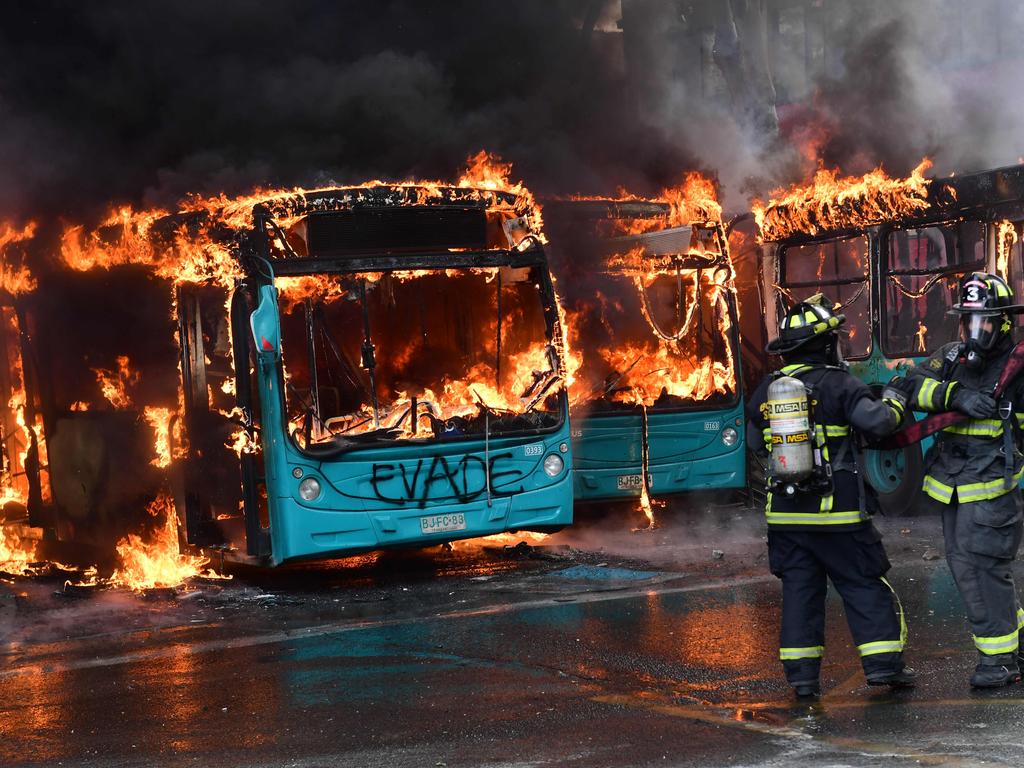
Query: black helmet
x=986, y=294
x=804, y=322
x=986, y=303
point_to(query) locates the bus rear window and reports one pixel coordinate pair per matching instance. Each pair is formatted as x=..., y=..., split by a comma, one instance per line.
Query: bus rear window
x=837, y=268
x=924, y=269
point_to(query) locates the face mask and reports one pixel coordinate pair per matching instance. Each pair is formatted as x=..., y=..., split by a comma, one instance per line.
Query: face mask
x=980, y=334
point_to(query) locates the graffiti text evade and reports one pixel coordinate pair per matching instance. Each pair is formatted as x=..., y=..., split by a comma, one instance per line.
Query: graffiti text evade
x=439, y=479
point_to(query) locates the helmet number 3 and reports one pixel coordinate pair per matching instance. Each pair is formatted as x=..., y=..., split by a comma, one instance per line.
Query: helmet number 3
x=972, y=293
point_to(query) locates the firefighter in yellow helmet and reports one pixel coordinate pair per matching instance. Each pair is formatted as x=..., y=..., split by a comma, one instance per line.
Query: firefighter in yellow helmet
x=819, y=528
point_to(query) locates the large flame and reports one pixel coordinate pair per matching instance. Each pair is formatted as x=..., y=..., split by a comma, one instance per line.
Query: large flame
x=831, y=202
x=157, y=562
x=16, y=552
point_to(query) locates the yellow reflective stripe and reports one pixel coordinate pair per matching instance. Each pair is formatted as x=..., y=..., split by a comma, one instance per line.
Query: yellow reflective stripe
x=992, y=646
x=826, y=505
x=991, y=489
x=832, y=430
x=888, y=646
x=808, y=652
x=978, y=427
x=1020, y=418
x=789, y=370
x=810, y=317
x=1020, y=619
x=926, y=394
x=813, y=518
x=895, y=406
x=881, y=646
x=768, y=438
x=938, y=491
x=795, y=322
x=949, y=393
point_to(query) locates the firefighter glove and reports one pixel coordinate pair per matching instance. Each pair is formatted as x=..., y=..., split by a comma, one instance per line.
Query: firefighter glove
x=898, y=390
x=975, y=404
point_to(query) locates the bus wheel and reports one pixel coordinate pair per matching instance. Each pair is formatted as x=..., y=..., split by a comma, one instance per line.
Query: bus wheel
x=896, y=475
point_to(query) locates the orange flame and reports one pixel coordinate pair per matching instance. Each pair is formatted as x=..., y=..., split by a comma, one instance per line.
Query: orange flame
x=114, y=384
x=830, y=202
x=160, y=419
x=1006, y=238
x=15, y=279
x=158, y=562
x=16, y=552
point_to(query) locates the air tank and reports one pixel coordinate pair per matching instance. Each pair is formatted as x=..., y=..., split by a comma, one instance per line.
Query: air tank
x=789, y=422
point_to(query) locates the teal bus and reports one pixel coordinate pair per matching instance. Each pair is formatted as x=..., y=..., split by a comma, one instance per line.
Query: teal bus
x=309, y=375
x=893, y=268
x=652, y=324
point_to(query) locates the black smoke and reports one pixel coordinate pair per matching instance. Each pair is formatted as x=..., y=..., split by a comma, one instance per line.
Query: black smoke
x=143, y=102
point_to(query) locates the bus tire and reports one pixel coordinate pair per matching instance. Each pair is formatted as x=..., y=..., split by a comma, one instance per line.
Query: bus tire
x=896, y=476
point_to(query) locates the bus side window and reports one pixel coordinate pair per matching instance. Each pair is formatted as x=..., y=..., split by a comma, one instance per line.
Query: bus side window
x=1015, y=270
x=837, y=268
x=924, y=267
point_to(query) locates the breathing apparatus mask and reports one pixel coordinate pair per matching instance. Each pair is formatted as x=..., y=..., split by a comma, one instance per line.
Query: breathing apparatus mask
x=981, y=333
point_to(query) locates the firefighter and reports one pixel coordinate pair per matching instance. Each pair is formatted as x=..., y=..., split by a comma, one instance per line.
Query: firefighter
x=973, y=469
x=822, y=531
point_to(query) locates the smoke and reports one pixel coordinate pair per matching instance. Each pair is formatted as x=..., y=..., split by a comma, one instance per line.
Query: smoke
x=899, y=81
x=144, y=102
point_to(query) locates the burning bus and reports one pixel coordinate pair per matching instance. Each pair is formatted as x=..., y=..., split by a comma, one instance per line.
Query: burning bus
x=297, y=375
x=648, y=291
x=891, y=253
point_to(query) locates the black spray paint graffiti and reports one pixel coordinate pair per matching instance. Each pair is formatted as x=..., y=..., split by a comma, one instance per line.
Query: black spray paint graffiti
x=457, y=480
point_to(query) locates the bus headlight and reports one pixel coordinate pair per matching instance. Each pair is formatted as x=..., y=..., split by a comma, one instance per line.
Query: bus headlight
x=309, y=488
x=730, y=436
x=553, y=465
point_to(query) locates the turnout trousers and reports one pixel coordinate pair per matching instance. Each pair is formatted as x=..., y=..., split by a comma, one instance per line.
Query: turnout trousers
x=982, y=538
x=856, y=563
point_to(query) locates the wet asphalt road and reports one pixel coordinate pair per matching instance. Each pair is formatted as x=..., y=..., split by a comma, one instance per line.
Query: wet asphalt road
x=620, y=649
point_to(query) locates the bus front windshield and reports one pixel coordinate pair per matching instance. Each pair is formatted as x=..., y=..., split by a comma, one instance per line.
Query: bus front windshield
x=426, y=354
x=648, y=331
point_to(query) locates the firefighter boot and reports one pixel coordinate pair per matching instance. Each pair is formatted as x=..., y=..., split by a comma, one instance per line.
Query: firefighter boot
x=903, y=678
x=996, y=671
x=809, y=689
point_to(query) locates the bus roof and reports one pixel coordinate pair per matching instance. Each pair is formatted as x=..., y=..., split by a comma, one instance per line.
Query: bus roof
x=990, y=195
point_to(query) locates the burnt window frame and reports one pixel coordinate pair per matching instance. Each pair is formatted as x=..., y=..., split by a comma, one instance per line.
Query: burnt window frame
x=532, y=256
x=823, y=285
x=886, y=272
x=732, y=339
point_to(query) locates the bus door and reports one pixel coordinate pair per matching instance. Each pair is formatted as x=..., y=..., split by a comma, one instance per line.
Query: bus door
x=216, y=440
x=99, y=356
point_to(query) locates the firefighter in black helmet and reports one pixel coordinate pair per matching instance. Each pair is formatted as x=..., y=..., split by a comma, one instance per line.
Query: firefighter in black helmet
x=973, y=469
x=821, y=530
